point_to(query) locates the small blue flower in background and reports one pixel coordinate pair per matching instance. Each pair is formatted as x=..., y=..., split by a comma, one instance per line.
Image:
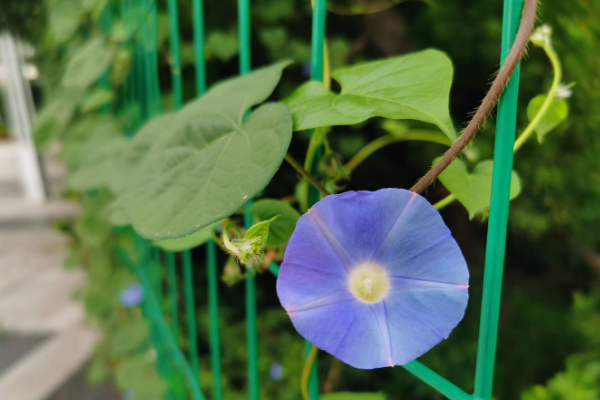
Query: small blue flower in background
x=129, y=394
x=276, y=372
x=306, y=68
x=373, y=278
x=132, y=295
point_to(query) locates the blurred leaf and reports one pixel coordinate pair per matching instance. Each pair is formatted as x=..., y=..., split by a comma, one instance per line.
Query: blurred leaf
x=97, y=98
x=64, y=17
x=119, y=32
x=414, y=86
x=275, y=10
x=196, y=239
x=353, y=396
x=98, y=371
x=86, y=136
x=88, y=64
x=223, y=45
x=474, y=189
x=55, y=116
x=282, y=228
x=129, y=337
x=556, y=113
x=121, y=67
x=210, y=162
x=138, y=373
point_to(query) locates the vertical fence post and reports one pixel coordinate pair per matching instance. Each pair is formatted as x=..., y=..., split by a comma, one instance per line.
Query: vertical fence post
x=316, y=73
x=496, y=240
x=211, y=253
x=251, y=328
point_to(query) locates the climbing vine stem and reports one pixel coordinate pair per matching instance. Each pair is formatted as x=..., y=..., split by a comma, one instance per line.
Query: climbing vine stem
x=490, y=99
x=551, y=53
x=306, y=175
x=551, y=95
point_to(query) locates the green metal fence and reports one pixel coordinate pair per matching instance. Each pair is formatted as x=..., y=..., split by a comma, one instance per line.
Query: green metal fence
x=181, y=370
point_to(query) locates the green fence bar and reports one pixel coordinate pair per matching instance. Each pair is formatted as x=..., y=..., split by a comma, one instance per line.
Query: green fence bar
x=198, y=15
x=436, y=381
x=172, y=286
x=251, y=328
x=496, y=239
x=213, y=310
x=316, y=73
x=211, y=252
x=175, y=57
x=190, y=313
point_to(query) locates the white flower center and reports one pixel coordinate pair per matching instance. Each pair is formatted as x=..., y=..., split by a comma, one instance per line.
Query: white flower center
x=369, y=282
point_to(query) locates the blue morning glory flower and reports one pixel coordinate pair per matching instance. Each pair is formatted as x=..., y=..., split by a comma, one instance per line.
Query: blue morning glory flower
x=132, y=295
x=373, y=278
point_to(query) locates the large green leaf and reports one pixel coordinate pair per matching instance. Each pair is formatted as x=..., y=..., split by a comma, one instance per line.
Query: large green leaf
x=556, y=113
x=282, y=228
x=210, y=162
x=414, y=86
x=353, y=396
x=112, y=164
x=88, y=64
x=197, y=238
x=474, y=189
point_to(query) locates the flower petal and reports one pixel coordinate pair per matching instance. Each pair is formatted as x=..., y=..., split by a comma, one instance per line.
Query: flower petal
x=360, y=221
x=420, y=319
x=348, y=330
x=420, y=246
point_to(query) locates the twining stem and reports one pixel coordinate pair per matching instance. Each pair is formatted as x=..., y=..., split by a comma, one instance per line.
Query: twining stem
x=416, y=134
x=306, y=371
x=490, y=99
x=306, y=175
x=556, y=66
x=551, y=53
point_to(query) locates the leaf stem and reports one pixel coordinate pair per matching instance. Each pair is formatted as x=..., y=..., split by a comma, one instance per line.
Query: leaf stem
x=306, y=175
x=306, y=371
x=551, y=53
x=445, y=201
x=380, y=142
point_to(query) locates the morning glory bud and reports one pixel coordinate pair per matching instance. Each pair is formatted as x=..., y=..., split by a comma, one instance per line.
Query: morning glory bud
x=542, y=36
x=373, y=278
x=563, y=91
x=250, y=250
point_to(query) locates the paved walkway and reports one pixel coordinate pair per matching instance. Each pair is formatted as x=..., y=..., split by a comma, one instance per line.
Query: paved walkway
x=43, y=340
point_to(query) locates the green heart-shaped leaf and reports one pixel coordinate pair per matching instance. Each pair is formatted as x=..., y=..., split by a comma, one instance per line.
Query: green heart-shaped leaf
x=474, y=189
x=414, y=86
x=88, y=64
x=210, y=162
x=556, y=113
x=282, y=228
x=112, y=164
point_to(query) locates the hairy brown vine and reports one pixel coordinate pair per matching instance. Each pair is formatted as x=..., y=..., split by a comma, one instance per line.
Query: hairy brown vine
x=489, y=101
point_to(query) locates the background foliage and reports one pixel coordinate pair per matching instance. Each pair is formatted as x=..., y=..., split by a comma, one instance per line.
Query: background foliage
x=548, y=347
